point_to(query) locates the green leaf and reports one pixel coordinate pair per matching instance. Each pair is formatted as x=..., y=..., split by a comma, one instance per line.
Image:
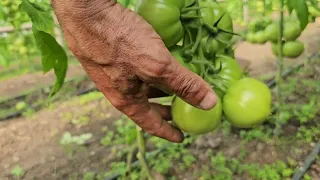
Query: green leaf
x=41, y=18
x=60, y=70
x=127, y=2
x=53, y=56
x=290, y=5
x=302, y=11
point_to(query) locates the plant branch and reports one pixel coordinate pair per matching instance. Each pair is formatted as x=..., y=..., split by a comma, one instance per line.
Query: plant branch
x=141, y=141
x=279, y=78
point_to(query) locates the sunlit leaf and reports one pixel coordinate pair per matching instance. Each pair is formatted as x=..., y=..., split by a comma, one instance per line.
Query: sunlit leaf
x=53, y=55
x=290, y=5
x=42, y=19
x=301, y=9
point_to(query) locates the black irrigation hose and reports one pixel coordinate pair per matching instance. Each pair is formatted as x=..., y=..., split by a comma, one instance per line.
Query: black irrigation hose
x=37, y=107
x=289, y=71
x=308, y=162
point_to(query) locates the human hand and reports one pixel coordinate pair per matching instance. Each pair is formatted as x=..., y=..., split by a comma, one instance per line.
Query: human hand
x=127, y=59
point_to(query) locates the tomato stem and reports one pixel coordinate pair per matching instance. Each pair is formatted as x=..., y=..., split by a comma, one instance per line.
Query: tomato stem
x=130, y=157
x=189, y=9
x=141, y=141
x=279, y=78
x=199, y=35
x=188, y=16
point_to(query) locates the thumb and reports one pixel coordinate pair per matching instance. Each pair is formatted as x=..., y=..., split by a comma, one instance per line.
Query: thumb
x=189, y=86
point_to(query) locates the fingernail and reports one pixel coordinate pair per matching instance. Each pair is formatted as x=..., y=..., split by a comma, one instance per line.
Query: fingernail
x=178, y=137
x=209, y=101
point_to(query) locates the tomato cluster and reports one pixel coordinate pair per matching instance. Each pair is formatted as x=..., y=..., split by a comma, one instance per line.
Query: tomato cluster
x=264, y=30
x=199, y=33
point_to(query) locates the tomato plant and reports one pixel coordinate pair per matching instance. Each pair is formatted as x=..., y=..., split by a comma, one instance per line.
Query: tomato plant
x=176, y=53
x=229, y=72
x=193, y=120
x=247, y=103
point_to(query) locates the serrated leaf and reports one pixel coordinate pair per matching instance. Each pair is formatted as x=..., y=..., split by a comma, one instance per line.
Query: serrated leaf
x=53, y=56
x=41, y=19
x=301, y=8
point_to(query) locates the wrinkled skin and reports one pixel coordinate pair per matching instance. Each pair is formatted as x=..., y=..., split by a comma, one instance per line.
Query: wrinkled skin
x=125, y=58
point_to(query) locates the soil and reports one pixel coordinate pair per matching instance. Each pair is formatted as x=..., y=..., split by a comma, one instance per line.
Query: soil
x=33, y=142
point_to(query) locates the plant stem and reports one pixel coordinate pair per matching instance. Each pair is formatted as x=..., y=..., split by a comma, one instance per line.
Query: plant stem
x=279, y=78
x=142, y=152
x=264, y=7
x=130, y=158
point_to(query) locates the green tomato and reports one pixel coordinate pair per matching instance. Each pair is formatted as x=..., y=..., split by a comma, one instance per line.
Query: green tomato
x=193, y=120
x=176, y=53
x=260, y=37
x=272, y=32
x=293, y=49
x=164, y=16
x=291, y=31
x=248, y=103
x=251, y=37
x=314, y=11
x=210, y=16
x=229, y=73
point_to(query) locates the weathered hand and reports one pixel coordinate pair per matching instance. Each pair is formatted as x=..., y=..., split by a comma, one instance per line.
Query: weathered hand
x=125, y=58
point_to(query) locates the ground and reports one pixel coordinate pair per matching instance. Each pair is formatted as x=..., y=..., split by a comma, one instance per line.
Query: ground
x=33, y=141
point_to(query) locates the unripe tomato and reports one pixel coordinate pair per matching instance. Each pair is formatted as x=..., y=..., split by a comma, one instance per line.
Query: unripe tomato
x=272, y=32
x=210, y=15
x=260, y=37
x=247, y=103
x=293, y=49
x=251, y=37
x=291, y=31
x=193, y=120
x=164, y=16
x=314, y=12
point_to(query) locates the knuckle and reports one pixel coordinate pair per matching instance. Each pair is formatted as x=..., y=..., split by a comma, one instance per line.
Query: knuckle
x=160, y=70
x=188, y=86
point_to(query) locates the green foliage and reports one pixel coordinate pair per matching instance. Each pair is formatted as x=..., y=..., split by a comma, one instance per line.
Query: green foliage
x=301, y=9
x=88, y=176
x=53, y=55
x=309, y=134
x=17, y=172
x=125, y=133
x=260, y=133
x=163, y=161
x=72, y=144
